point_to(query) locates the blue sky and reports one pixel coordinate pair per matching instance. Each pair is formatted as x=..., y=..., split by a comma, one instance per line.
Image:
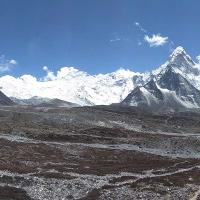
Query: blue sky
x=97, y=36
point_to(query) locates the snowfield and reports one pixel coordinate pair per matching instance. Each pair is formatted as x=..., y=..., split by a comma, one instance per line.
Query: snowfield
x=72, y=85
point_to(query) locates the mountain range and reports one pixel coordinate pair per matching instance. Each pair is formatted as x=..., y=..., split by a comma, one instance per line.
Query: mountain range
x=43, y=102
x=173, y=85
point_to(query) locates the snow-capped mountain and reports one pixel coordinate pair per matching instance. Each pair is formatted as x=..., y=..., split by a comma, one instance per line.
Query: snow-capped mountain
x=170, y=86
x=183, y=64
x=72, y=85
x=181, y=61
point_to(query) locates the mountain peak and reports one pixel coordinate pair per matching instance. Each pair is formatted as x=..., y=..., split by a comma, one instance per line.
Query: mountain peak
x=181, y=58
x=178, y=53
x=179, y=50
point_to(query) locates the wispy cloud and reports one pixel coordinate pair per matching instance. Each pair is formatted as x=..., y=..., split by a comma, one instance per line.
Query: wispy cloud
x=171, y=46
x=156, y=40
x=115, y=39
x=6, y=64
x=139, y=43
x=139, y=26
x=13, y=62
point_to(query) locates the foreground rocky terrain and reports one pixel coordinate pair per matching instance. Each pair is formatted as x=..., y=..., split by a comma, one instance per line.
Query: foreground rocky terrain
x=102, y=152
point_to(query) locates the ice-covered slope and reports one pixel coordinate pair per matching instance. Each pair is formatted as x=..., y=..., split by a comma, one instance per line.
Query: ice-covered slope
x=183, y=64
x=169, y=91
x=72, y=85
x=181, y=60
x=172, y=86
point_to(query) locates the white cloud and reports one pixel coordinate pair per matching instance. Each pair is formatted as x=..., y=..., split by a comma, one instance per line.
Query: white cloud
x=13, y=62
x=45, y=68
x=137, y=23
x=156, y=40
x=6, y=64
x=49, y=74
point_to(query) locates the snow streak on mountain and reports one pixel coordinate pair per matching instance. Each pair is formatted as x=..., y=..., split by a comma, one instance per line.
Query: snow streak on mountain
x=174, y=84
x=72, y=85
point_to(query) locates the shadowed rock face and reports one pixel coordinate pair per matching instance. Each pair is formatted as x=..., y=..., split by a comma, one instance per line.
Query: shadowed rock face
x=153, y=89
x=170, y=87
x=4, y=100
x=168, y=91
x=103, y=152
x=183, y=88
x=135, y=98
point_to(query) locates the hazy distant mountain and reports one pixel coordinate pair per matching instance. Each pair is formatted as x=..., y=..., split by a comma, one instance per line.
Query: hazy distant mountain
x=44, y=102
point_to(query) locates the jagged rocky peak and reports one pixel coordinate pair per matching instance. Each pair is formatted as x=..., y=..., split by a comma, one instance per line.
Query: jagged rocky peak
x=178, y=51
x=168, y=90
x=180, y=57
x=152, y=87
x=173, y=81
x=181, y=62
x=135, y=98
x=170, y=79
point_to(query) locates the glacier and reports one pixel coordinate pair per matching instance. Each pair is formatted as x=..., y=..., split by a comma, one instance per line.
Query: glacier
x=72, y=85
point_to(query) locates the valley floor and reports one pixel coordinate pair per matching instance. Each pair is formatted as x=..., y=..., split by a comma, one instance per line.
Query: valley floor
x=101, y=152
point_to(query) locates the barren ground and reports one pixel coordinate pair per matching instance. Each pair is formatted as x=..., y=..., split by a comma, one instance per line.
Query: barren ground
x=98, y=153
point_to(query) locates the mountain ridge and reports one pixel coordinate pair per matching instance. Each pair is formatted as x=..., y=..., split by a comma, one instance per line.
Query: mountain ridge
x=169, y=89
x=72, y=85
x=5, y=101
